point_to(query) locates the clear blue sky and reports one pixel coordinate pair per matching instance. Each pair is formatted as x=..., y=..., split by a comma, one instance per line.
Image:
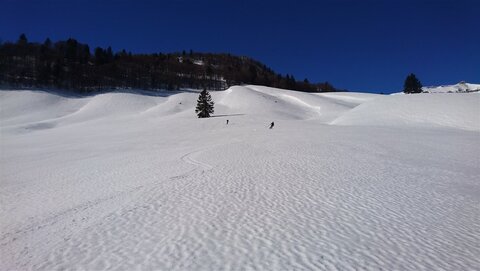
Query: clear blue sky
x=359, y=45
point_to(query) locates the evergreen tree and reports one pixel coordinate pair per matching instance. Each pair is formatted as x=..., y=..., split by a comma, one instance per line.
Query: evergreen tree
x=22, y=40
x=109, y=55
x=47, y=43
x=85, y=54
x=204, y=105
x=412, y=84
x=100, y=56
x=71, y=50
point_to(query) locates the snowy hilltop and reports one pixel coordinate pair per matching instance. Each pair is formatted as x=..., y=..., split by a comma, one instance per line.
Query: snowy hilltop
x=343, y=181
x=461, y=87
x=30, y=64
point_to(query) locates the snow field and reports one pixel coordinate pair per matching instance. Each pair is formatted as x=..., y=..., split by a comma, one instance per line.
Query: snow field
x=126, y=182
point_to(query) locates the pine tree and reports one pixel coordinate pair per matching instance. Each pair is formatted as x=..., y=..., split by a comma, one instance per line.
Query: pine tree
x=22, y=40
x=412, y=84
x=100, y=56
x=204, y=105
x=47, y=43
x=109, y=55
x=71, y=50
x=85, y=54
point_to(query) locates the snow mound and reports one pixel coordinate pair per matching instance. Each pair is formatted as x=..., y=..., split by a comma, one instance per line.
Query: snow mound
x=246, y=100
x=35, y=110
x=426, y=110
x=273, y=103
x=22, y=107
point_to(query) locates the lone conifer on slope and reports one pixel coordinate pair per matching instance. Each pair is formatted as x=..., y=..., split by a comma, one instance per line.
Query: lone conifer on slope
x=412, y=84
x=204, y=105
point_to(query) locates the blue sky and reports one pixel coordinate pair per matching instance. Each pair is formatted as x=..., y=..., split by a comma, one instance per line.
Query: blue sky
x=367, y=46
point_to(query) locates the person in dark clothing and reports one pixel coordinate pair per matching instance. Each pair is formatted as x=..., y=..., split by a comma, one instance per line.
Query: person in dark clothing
x=271, y=125
x=227, y=121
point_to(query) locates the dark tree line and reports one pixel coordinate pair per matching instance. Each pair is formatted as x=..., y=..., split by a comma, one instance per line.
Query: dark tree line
x=72, y=65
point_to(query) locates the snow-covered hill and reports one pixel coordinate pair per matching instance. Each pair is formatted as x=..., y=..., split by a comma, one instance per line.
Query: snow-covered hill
x=461, y=110
x=461, y=87
x=343, y=181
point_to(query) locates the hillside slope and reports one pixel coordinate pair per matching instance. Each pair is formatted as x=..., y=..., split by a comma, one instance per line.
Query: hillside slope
x=71, y=65
x=460, y=110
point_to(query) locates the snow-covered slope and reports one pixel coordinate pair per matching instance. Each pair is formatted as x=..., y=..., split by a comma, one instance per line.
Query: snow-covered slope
x=461, y=110
x=136, y=182
x=461, y=87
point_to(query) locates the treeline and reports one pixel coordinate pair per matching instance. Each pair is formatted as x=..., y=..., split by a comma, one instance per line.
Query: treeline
x=72, y=65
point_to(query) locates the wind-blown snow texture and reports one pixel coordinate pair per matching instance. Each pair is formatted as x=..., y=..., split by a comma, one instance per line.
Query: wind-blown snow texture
x=344, y=181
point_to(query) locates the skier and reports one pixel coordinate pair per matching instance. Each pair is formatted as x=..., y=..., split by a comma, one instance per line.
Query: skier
x=227, y=122
x=271, y=125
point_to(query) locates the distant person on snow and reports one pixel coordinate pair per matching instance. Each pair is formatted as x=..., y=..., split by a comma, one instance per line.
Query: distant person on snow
x=227, y=122
x=271, y=125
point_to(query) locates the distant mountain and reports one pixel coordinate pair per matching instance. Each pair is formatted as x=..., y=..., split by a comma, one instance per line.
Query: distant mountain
x=71, y=65
x=461, y=87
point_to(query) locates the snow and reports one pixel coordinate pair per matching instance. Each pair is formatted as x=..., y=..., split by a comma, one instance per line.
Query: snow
x=199, y=62
x=461, y=110
x=461, y=87
x=457, y=88
x=344, y=181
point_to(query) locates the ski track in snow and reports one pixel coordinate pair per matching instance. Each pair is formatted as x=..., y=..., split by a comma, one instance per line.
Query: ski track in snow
x=188, y=158
x=160, y=190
